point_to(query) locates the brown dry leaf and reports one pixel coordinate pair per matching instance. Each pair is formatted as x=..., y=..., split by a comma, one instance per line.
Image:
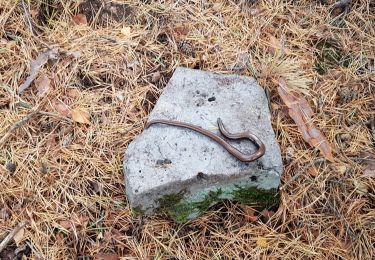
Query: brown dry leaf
x=81, y=115
x=42, y=84
x=36, y=65
x=74, y=93
x=276, y=45
x=368, y=164
x=80, y=19
x=181, y=29
x=67, y=224
x=267, y=214
x=62, y=108
x=19, y=236
x=73, y=222
x=249, y=214
x=360, y=187
x=106, y=256
x=313, y=171
x=301, y=113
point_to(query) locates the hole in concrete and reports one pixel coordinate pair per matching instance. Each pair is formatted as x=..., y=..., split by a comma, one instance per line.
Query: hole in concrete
x=140, y=171
x=198, y=92
x=211, y=99
x=201, y=175
x=136, y=191
x=253, y=178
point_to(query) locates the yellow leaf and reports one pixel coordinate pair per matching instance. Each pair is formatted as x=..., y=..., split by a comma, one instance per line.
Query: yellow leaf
x=19, y=236
x=360, y=187
x=126, y=32
x=81, y=115
x=262, y=242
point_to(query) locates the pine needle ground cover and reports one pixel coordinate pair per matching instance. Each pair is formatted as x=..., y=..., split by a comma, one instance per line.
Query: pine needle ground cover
x=78, y=79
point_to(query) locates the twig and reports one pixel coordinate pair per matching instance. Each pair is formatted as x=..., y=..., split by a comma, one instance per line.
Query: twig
x=55, y=115
x=28, y=17
x=26, y=118
x=362, y=159
x=16, y=125
x=37, y=254
x=11, y=235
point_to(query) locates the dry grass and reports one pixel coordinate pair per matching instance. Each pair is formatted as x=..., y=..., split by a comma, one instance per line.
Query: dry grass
x=70, y=171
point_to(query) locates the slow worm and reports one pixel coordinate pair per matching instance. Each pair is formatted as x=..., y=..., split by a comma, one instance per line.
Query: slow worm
x=231, y=149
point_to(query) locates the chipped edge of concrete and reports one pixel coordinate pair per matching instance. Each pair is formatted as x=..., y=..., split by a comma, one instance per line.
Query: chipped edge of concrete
x=184, y=204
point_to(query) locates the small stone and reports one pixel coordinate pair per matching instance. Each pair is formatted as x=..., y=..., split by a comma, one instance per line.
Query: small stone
x=345, y=137
x=43, y=168
x=182, y=172
x=155, y=77
x=289, y=153
x=11, y=167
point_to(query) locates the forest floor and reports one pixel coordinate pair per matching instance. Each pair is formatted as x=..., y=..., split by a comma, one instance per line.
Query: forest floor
x=98, y=68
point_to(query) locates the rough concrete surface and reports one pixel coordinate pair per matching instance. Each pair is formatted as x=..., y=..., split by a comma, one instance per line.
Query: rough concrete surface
x=182, y=172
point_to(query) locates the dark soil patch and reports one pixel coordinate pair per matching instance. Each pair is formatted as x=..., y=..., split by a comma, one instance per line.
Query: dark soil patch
x=102, y=12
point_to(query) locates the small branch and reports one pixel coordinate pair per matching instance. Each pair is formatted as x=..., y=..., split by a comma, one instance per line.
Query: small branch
x=56, y=115
x=26, y=118
x=11, y=235
x=16, y=125
x=28, y=17
x=37, y=254
x=362, y=159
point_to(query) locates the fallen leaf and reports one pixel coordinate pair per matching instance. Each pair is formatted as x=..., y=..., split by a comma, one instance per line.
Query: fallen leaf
x=267, y=214
x=42, y=84
x=255, y=12
x=181, y=29
x=81, y=115
x=106, y=256
x=360, y=187
x=36, y=65
x=313, y=171
x=301, y=113
x=80, y=19
x=277, y=45
x=342, y=169
x=19, y=236
x=119, y=96
x=368, y=164
x=249, y=214
x=262, y=242
x=4, y=214
x=73, y=93
x=62, y=108
x=126, y=31
x=74, y=222
x=67, y=224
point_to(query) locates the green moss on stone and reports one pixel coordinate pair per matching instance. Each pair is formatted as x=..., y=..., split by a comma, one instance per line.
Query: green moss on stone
x=253, y=195
x=137, y=211
x=182, y=210
x=181, y=207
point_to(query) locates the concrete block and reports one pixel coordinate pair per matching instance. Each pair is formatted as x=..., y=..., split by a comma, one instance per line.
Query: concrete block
x=181, y=172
